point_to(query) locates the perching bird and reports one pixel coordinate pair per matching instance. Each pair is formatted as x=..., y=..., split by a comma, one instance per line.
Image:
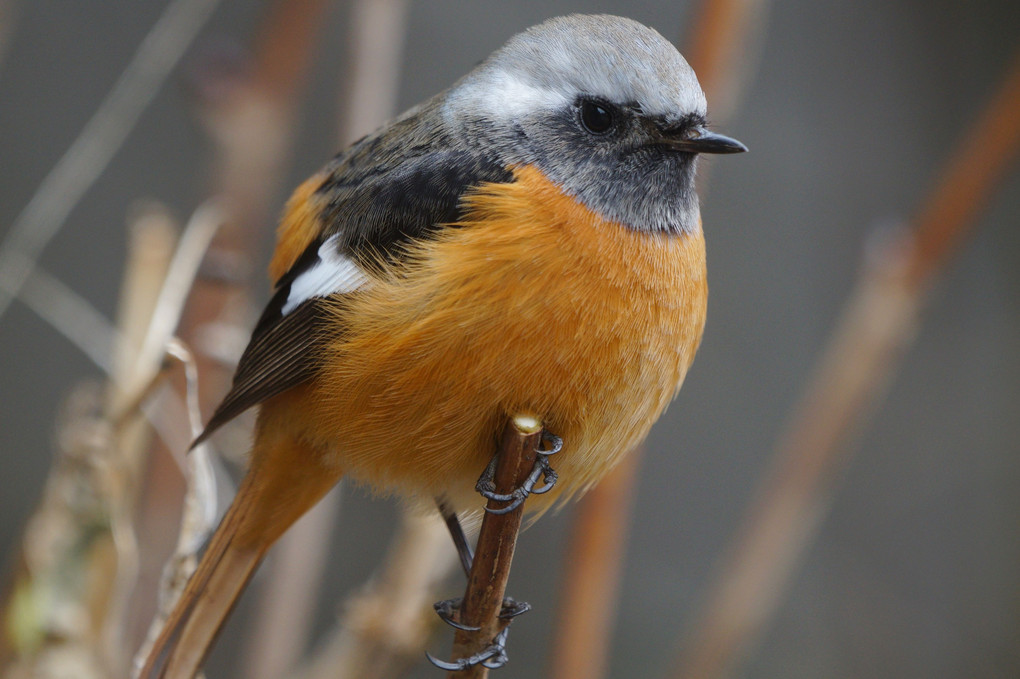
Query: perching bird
x=526, y=242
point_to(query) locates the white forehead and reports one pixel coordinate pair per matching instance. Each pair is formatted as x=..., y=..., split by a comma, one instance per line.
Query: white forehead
x=549, y=65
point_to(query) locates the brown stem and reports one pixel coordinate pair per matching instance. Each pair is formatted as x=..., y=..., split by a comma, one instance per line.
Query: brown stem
x=483, y=599
x=592, y=575
x=375, y=38
x=386, y=625
x=981, y=161
x=723, y=47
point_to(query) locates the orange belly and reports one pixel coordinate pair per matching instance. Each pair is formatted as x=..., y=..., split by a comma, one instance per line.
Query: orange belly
x=533, y=305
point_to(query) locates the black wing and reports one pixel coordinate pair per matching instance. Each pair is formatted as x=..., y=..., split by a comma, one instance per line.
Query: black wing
x=373, y=213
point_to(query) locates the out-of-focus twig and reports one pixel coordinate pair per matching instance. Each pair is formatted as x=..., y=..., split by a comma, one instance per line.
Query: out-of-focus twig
x=289, y=596
x=483, y=599
x=377, y=37
x=591, y=575
x=199, y=514
x=152, y=236
x=90, y=153
x=175, y=288
x=71, y=315
x=875, y=328
x=722, y=48
x=387, y=624
x=78, y=547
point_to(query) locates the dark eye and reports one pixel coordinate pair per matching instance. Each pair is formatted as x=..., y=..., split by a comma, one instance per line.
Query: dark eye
x=597, y=118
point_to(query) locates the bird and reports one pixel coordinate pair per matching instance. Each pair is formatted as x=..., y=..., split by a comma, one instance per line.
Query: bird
x=528, y=241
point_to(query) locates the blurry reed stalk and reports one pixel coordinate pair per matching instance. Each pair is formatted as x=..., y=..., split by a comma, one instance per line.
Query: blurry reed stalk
x=248, y=114
x=78, y=551
x=153, y=355
x=876, y=327
x=386, y=626
x=724, y=47
x=591, y=575
x=84, y=161
x=725, y=40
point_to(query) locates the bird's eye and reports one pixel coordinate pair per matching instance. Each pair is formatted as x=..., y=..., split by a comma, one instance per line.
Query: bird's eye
x=597, y=118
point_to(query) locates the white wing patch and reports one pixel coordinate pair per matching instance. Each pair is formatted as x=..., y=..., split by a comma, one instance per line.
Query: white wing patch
x=333, y=273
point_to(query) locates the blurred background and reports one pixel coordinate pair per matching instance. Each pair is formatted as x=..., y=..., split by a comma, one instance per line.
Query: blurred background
x=850, y=109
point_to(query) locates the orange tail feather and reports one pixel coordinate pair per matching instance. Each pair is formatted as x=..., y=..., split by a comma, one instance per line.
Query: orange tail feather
x=285, y=480
x=207, y=600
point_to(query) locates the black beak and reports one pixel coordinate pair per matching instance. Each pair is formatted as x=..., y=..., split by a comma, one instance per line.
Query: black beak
x=700, y=140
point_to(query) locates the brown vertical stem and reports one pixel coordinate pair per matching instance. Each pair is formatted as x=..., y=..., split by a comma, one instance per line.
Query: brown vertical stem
x=592, y=575
x=875, y=328
x=722, y=49
x=497, y=538
x=385, y=626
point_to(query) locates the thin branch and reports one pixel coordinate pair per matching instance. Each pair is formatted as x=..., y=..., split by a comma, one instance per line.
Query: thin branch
x=723, y=48
x=83, y=163
x=152, y=235
x=377, y=36
x=71, y=315
x=140, y=360
x=876, y=327
x=191, y=250
x=289, y=596
x=198, y=517
x=497, y=538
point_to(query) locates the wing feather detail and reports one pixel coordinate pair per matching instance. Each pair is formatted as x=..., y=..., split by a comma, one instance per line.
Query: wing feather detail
x=359, y=212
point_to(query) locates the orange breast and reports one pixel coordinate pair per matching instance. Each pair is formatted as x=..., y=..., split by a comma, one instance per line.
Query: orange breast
x=534, y=304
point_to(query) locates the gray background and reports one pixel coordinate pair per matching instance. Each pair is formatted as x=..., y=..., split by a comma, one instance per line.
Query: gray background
x=854, y=106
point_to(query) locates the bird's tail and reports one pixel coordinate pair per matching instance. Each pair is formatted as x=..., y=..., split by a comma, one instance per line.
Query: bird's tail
x=211, y=592
x=284, y=482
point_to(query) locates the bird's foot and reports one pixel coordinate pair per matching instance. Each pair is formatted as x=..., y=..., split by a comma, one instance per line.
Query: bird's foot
x=487, y=488
x=492, y=656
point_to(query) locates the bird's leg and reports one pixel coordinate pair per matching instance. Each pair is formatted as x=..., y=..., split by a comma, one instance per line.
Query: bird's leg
x=494, y=655
x=449, y=609
x=457, y=533
x=486, y=486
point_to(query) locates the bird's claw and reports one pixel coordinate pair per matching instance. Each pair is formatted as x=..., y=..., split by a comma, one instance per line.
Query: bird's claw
x=487, y=488
x=512, y=608
x=448, y=611
x=492, y=656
